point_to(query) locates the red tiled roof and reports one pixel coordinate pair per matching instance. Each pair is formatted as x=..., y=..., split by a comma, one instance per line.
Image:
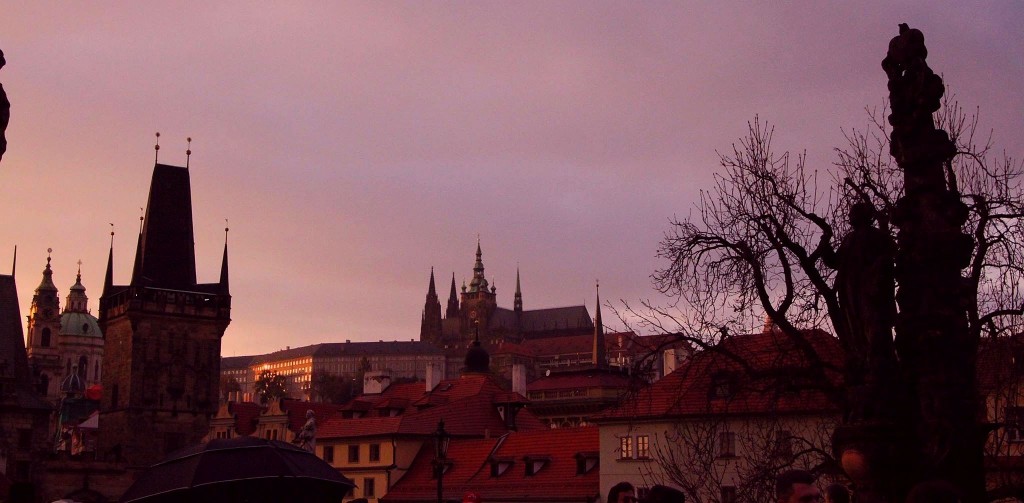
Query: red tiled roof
x=246, y=415
x=361, y=427
x=296, y=411
x=591, y=378
x=774, y=358
x=468, y=406
x=557, y=479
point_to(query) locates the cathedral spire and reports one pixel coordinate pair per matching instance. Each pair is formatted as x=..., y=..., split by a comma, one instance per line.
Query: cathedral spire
x=430, y=325
x=600, y=360
x=453, y=302
x=518, y=304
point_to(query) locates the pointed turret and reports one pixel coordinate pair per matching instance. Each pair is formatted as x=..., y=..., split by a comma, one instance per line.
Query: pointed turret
x=453, y=302
x=46, y=285
x=600, y=361
x=108, y=278
x=224, y=289
x=77, y=301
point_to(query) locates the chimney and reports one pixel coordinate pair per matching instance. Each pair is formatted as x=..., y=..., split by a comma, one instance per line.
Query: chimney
x=519, y=378
x=670, y=361
x=375, y=382
x=434, y=373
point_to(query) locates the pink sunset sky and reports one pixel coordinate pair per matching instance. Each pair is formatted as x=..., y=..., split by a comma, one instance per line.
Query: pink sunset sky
x=354, y=145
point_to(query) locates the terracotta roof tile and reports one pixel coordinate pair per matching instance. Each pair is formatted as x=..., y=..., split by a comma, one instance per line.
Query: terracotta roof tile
x=772, y=355
x=556, y=480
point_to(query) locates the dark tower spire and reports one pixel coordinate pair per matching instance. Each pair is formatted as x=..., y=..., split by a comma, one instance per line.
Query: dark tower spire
x=167, y=244
x=224, y=261
x=430, y=325
x=108, y=279
x=600, y=360
x=518, y=304
x=14, y=265
x=453, y=302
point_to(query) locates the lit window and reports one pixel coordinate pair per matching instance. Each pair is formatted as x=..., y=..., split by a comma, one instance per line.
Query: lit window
x=643, y=447
x=626, y=447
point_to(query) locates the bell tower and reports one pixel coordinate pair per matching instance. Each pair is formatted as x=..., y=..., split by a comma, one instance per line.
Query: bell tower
x=478, y=302
x=430, y=325
x=163, y=332
x=43, y=328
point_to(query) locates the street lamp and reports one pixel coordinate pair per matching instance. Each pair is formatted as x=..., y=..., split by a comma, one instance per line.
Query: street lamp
x=441, y=440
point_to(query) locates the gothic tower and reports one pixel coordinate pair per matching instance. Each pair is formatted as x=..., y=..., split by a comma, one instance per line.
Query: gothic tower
x=478, y=301
x=162, y=364
x=430, y=325
x=43, y=327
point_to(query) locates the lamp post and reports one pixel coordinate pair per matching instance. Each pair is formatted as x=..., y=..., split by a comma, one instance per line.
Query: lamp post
x=441, y=440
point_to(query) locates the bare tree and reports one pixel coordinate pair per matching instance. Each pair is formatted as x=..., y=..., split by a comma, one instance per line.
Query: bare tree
x=759, y=243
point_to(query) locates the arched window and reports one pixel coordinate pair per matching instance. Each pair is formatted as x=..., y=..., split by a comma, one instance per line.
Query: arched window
x=83, y=367
x=96, y=371
x=44, y=383
x=45, y=339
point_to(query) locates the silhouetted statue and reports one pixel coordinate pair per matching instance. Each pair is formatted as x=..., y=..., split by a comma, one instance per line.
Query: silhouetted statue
x=306, y=437
x=5, y=112
x=866, y=289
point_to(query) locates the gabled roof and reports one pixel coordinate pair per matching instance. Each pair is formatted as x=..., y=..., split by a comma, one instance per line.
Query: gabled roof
x=557, y=479
x=782, y=381
x=13, y=356
x=167, y=244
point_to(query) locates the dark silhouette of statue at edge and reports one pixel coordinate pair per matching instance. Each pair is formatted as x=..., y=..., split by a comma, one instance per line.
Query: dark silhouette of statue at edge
x=5, y=112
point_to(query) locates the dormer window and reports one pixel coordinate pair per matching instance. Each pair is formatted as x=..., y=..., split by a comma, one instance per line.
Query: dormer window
x=723, y=385
x=535, y=464
x=500, y=466
x=586, y=462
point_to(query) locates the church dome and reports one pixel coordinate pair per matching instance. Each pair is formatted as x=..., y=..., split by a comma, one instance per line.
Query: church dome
x=477, y=359
x=80, y=324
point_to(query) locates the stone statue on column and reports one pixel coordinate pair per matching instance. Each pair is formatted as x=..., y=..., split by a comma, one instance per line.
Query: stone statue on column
x=5, y=112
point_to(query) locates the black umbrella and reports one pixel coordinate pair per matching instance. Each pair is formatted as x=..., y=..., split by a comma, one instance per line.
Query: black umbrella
x=243, y=469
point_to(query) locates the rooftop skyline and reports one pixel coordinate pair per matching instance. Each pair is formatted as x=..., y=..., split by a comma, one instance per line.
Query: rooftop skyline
x=354, y=146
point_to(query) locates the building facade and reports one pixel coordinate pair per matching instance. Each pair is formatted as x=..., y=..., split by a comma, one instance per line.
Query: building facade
x=61, y=343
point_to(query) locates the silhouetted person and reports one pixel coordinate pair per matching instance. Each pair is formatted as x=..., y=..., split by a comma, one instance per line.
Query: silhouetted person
x=837, y=493
x=664, y=494
x=5, y=112
x=796, y=486
x=621, y=493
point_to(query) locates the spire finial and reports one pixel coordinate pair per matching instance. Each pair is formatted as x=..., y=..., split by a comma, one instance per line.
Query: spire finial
x=111, y=234
x=48, y=252
x=188, y=151
x=14, y=265
x=142, y=217
x=226, y=229
x=156, y=148
x=79, y=269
